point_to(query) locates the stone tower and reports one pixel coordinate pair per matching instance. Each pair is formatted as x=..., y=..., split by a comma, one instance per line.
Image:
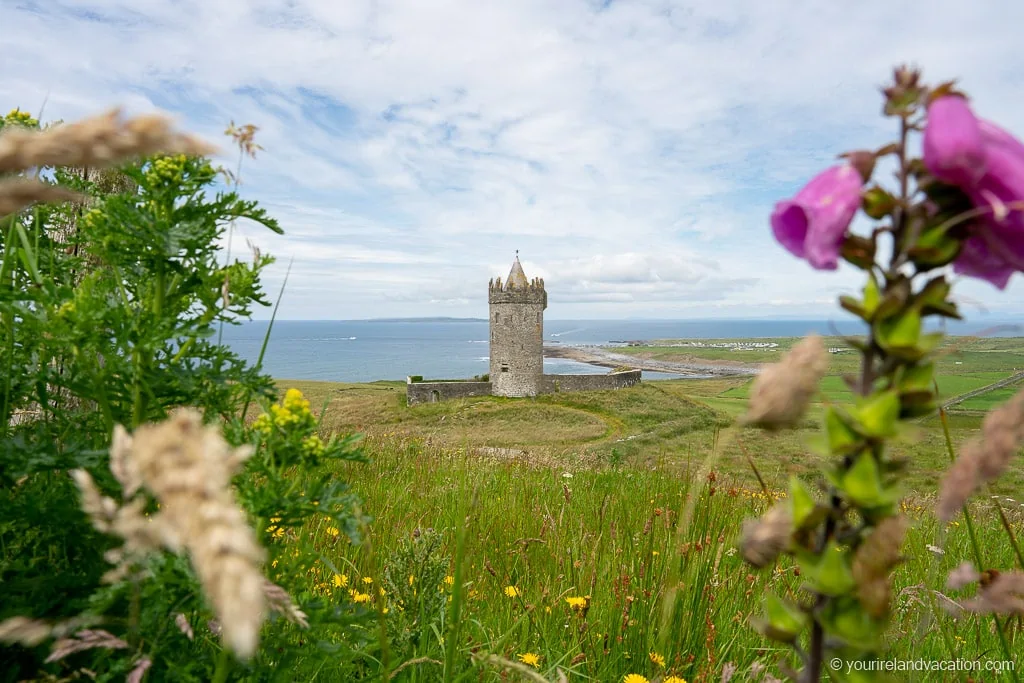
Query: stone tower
x=517, y=333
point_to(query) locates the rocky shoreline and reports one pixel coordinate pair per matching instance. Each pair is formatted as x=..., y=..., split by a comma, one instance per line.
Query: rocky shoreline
x=697, y=368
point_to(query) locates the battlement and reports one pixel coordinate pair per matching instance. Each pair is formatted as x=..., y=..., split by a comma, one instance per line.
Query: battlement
x=518, y=296
x=511, y=285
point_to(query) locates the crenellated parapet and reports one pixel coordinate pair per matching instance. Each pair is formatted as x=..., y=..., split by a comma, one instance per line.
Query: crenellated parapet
x=511, y=285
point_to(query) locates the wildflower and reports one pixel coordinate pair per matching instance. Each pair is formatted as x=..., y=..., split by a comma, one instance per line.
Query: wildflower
x=361, y=597
x=530, y=659
x=987, y=164
x=781, y=393
x=333, y=531
x=340, y=580
x=577, y=603
x=449, y=580
x=657, y=659
x=953, y=149
x=512, y=591
x=764, y=539
x=813, y=223
x=367, y=580
x=677, y=679
x=635, y=678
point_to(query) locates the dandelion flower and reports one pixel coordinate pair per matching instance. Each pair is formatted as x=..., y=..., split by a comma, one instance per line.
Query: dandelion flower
x=656, y=659
x=635, y=678
x=512, y=592
x=367, y=580
x=576, y=603
x=673, y=679
x=529, y=659
x=340, y=580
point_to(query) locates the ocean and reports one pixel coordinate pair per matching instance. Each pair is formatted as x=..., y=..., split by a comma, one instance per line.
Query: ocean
x=370, y=350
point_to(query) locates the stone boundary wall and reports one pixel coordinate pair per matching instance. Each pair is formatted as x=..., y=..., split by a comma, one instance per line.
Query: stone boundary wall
x=612, y=380
x=432, y=392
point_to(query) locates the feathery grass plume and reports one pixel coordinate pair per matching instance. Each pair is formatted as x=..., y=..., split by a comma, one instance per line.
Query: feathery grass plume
x=31, y=632
x=763, y=539
x=280, y=601
x=964, y=575
x=86, y=639
x=188, y=468
x=142, y=535
x=100, y=141
x=984, y=458
x=873, y=561
x=781, y=393
x=18, y=193
x=1004, y=594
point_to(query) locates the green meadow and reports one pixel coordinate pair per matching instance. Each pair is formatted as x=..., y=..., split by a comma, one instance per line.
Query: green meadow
x=571, y=519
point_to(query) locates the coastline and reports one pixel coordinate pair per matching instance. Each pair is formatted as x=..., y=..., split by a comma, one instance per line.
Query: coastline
x=610, y=359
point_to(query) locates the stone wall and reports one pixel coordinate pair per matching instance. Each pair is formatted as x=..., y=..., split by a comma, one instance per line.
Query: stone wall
x=432, y=392
x=612, y=380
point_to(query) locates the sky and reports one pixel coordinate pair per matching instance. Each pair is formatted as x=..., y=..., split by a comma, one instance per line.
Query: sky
x=631, y=150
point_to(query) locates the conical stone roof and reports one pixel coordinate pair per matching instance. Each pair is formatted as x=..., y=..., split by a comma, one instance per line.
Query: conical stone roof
x=516, y=276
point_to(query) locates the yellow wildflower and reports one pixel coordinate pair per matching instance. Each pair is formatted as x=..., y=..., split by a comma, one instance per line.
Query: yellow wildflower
x=449, y=580
x=367, y=580
x=634, y=678
x=577, y=602
x=674, y=679
x=529, y=659
x=332, y=531
x=340, y=580
x=411, y=579
x=657, y=659
x=512, y=591
x=361, y=597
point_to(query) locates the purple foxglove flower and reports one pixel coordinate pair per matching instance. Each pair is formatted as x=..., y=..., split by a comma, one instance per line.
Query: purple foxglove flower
x=976, y=259
x=954, y=151
x=813, y=223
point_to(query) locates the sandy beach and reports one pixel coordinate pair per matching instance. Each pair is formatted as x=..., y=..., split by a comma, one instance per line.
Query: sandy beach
x=609, y=359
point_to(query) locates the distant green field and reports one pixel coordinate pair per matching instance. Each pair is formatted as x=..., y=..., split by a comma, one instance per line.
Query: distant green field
x=991, y=399
x=949, y=386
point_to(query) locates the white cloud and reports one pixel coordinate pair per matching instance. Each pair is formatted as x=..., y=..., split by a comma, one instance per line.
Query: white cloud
x=631, y=153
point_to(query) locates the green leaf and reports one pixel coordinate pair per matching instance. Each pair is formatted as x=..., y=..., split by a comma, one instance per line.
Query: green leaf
x=877, y=415
x=872, y=297
x=854, y=306
x=832, y=575
x=846, y=620
x=781, y=621
x=842, y=438
x=917, y=377
x=861, y=483
x=801, y=501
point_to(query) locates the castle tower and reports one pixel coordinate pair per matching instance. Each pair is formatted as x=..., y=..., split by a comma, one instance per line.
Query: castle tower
x=517, y=333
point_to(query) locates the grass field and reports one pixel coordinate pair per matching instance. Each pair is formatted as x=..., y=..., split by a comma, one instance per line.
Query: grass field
x=617, y=497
